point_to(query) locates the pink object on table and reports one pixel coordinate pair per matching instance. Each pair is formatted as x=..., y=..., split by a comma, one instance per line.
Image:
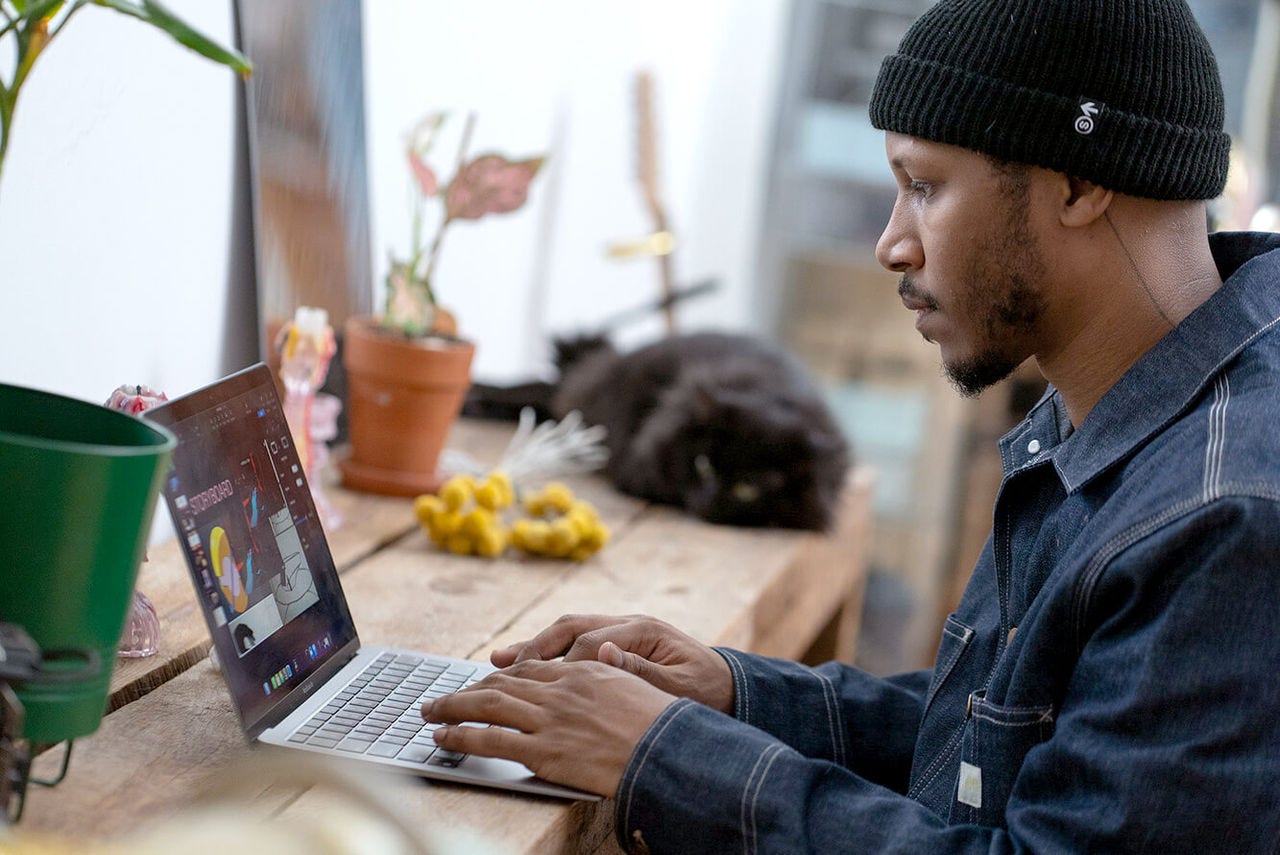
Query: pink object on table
x=141, y=636
x=306, y=346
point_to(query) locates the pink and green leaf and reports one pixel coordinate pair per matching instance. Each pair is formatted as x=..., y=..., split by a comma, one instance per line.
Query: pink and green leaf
x=490, y=184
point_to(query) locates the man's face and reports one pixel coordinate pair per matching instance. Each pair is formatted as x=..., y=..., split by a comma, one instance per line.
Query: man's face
x=961, y=236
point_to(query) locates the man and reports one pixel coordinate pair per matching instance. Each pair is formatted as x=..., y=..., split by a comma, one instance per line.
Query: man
x=1107, y=681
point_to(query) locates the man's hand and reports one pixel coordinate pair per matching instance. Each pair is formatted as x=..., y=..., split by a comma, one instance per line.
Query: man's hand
x=579, y=721
x=651, y=649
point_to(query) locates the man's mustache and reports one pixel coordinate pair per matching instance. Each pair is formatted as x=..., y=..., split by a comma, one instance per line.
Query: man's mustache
x=908, y=290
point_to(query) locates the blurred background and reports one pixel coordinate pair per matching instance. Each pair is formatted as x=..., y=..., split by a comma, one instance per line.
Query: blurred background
x=140, y=180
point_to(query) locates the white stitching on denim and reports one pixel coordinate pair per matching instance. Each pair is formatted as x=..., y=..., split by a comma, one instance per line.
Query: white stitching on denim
x=833, y=710
x=1217, y=438
x=1014, y=439
x=626, y=815
x=1217, y=369
x=826, y=702
x=755, y=799
x=1112, y=548
x=1044, y=718
x=931, y=772
x=942, y=673
x=739, y=688
x=1143, y=529
x=742, y=811
x=740, y=683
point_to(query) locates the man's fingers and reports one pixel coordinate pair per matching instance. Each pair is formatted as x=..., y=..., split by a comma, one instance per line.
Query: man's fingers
x=488, y=705
x=485, y=742
x=612, y=654
x=636, y=636
x=553, y=641
x=530, y=670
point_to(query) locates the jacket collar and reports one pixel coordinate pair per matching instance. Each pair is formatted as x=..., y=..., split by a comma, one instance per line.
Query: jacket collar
x=1168, y=379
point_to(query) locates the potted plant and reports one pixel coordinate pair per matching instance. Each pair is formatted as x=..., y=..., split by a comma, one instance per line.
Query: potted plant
x=408, y=370
x=32, y=25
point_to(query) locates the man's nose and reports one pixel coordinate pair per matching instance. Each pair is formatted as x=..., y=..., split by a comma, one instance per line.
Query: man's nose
x=899, y=249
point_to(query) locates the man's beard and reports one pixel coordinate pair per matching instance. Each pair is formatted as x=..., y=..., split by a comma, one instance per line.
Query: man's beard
x=1005, y=302
x=1017, y=311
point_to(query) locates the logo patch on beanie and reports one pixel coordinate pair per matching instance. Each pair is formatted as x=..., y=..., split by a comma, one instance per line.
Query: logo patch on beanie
x=1087, y=121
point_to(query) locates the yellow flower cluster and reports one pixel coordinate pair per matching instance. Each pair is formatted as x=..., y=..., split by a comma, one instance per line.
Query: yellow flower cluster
x=465, y=518
x=561, y=526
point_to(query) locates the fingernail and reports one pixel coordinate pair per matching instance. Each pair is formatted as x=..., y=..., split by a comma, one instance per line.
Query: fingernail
x=612, y=654
x=426, y=708
x=440, y=733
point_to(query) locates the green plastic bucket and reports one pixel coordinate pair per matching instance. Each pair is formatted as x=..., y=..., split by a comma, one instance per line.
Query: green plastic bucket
x=78, y=485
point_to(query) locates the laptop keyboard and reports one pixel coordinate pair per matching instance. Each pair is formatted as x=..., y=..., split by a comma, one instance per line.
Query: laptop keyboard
x=379, y=712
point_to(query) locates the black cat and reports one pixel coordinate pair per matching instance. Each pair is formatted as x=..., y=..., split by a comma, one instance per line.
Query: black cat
x=726, y=426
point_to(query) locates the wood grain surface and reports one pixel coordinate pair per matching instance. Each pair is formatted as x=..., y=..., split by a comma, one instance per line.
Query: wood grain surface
x=172, y=728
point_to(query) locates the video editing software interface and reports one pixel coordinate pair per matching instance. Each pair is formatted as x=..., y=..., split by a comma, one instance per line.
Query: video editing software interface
x=241, y=504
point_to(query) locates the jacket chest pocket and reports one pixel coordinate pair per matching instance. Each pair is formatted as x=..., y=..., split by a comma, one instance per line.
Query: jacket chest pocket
x=954, y=674
x=995, y=742
x=955, y=638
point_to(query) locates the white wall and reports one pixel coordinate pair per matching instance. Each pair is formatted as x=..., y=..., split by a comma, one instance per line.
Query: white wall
x=115, y=210
x=558, y=77
x=115, y=203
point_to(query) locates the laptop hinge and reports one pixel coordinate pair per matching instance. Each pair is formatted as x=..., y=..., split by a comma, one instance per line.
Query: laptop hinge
x=299, y=695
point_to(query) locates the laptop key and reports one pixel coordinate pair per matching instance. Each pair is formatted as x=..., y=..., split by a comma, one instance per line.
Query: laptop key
x=416, y=753
x=449, y=759
x=323, y=741
x=355, y=745
x=384, y=749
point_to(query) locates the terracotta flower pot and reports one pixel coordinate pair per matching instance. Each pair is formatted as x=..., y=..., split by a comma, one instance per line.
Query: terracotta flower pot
x=403, y=396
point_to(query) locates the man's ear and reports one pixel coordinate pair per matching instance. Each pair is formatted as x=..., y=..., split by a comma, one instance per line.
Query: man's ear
x=1083, y=202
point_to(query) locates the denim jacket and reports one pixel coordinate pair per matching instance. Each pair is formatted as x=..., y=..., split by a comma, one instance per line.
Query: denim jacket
x=1110, y=681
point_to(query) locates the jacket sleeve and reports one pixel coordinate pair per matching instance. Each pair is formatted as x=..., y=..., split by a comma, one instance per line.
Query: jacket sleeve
x=1165, y=740
x=833, y=712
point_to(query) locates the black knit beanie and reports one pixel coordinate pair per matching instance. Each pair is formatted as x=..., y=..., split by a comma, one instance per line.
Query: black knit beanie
x=1123, y=93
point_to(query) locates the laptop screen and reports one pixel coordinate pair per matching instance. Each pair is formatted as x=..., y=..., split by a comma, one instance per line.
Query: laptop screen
x=258, y=557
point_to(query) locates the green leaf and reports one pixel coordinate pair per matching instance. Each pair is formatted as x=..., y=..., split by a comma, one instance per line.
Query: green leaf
x=198, y=42
x=131, y=9
x=161, y=18
x=42, y=9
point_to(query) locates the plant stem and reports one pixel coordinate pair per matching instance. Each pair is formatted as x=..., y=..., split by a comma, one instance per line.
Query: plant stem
x=416, y=255
x=8, y=99
x=431, y=259
x=6, y=115
x=463, y=145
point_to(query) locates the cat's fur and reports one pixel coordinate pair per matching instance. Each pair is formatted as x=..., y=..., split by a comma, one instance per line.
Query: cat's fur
x=726, y=426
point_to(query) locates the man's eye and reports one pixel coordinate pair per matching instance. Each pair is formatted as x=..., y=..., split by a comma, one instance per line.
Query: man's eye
x=920, y=188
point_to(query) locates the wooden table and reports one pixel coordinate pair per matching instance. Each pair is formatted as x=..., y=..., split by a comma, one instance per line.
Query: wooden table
x=170, y=725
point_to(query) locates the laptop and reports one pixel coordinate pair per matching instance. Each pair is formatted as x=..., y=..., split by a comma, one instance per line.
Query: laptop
x=267, y=585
